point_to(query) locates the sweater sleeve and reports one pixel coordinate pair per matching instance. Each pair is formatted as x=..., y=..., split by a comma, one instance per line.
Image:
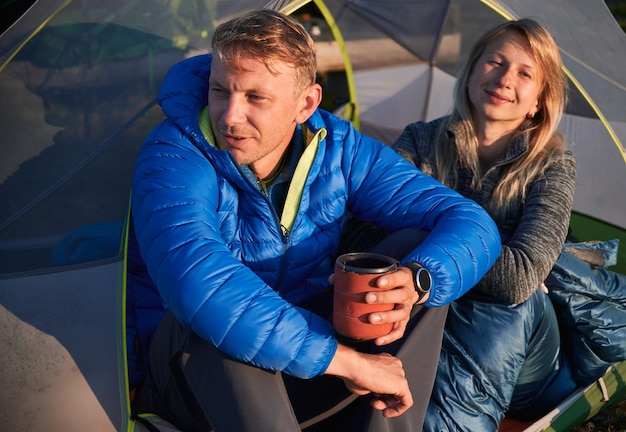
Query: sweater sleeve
x=531, y=251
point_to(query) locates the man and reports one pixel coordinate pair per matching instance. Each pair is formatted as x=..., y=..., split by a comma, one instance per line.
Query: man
x=238, y=203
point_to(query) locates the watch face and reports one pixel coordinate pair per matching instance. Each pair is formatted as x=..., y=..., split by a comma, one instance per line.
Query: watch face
x=423, y=279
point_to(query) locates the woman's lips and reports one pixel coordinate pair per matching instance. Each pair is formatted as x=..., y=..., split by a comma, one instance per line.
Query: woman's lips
x=496, y=98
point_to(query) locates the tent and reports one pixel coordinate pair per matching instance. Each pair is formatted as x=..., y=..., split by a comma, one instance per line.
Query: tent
x=78, y=80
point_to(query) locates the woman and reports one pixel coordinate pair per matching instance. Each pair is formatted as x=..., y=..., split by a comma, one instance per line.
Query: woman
x=500, y=147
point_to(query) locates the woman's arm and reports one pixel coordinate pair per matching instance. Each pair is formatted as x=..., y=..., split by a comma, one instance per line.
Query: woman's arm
x=531, y=252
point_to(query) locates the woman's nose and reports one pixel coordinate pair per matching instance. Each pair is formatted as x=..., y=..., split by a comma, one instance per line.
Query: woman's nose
x=505, y=78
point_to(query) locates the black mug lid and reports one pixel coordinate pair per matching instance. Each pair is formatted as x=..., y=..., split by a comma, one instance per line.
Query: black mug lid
x=366, y=263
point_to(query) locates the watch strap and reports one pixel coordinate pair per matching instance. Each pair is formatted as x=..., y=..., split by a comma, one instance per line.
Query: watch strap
x=422, y=279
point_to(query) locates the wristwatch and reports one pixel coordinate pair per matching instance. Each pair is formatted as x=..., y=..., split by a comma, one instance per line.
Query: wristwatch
x=421, y=278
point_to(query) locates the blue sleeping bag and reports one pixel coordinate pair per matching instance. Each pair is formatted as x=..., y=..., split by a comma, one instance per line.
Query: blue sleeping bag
x=502, y=360
x=591, y=305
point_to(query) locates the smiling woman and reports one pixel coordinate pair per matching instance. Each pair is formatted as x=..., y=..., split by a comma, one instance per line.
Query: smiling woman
x=501, y=148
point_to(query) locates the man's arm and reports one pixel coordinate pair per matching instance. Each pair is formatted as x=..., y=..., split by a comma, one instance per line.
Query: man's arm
x=463, y=241
x=379, y=374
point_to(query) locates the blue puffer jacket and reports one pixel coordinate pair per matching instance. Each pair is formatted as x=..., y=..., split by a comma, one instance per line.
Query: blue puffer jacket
x=227, y=265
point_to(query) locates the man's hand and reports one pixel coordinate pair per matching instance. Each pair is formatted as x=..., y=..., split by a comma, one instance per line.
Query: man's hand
x=382, y=375
x=403, y=296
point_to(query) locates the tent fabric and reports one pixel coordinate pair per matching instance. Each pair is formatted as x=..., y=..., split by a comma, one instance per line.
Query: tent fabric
x=593, y=126
x=60, y=368
x=79, y=78
x=79, y=82
x=581, y=405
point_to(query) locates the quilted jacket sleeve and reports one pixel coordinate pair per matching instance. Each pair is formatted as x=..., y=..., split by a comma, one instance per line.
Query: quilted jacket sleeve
x=463, y=242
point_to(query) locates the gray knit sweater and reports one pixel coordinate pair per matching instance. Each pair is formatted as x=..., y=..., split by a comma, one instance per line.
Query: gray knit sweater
x=532, y=235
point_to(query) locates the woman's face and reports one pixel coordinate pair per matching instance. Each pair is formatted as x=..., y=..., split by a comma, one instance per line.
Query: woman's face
x=505, y=82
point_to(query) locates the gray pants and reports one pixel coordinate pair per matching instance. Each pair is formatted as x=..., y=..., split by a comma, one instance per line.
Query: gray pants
x=198, y=388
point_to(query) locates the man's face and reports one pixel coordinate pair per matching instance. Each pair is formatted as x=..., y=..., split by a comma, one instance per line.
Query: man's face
x=254, y=112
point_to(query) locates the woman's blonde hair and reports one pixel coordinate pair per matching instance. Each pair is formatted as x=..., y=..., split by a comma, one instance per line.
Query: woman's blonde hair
x=268, y=36
x=544, y=139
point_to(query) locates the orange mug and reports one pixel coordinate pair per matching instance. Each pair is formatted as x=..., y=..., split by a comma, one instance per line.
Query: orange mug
x=355, y=275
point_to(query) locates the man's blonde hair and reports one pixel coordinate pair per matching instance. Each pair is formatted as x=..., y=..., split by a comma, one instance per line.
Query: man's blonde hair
x=270, y=37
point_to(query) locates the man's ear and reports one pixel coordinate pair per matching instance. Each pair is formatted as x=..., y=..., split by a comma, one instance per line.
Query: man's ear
x=310, y=99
